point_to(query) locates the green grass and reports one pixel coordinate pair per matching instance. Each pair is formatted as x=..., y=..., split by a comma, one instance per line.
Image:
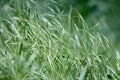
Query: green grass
x=52, y=46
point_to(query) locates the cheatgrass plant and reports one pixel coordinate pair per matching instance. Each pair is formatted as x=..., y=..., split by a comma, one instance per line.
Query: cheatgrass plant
x=52, y=46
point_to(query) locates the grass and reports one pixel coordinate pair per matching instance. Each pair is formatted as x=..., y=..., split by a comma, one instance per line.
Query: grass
x=52, y=46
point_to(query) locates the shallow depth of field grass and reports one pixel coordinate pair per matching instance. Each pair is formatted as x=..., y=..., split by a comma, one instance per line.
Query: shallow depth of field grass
x=52, y=46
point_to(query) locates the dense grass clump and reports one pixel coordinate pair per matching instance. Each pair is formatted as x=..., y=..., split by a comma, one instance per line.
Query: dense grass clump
x=52, y=46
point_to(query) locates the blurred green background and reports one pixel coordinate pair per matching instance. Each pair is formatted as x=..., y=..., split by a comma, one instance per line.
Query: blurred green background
x=105, y=12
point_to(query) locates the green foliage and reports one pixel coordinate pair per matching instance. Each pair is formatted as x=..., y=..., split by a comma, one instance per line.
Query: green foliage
x=52, y=46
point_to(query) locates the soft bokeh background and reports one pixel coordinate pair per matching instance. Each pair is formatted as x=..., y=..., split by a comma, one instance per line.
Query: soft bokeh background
x=104, y=12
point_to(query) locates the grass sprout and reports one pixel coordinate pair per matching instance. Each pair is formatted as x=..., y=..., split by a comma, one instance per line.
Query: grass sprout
x=52, y=45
